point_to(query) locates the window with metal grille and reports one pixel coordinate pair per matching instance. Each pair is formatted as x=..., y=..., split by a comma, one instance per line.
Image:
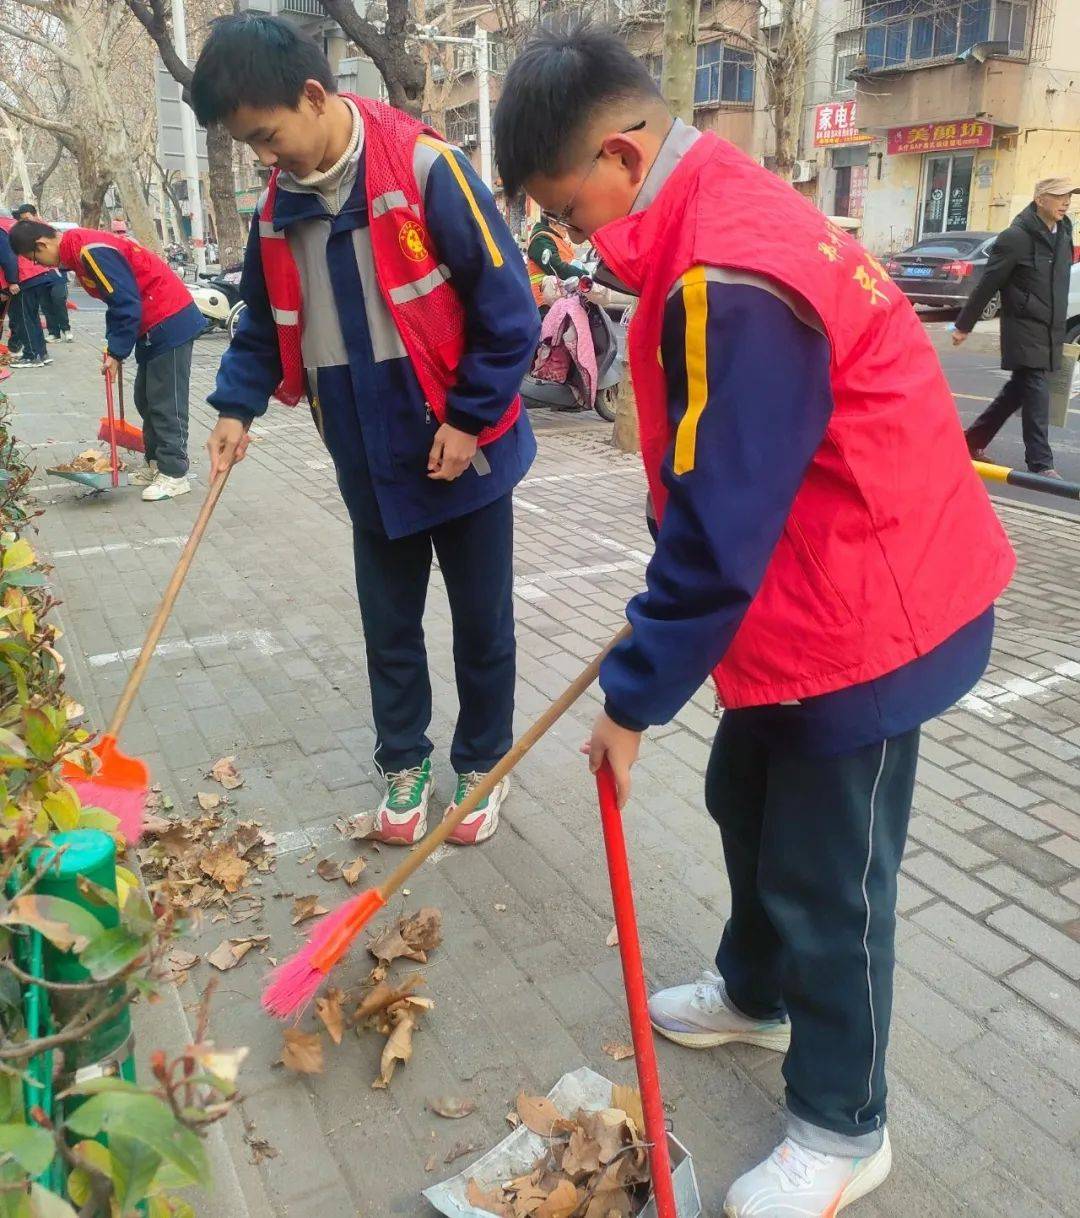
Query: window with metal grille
x=901, y=33
x=846, y=51
x=724, y=74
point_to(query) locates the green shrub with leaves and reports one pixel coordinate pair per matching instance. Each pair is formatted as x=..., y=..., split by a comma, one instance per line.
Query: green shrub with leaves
x=108, y=1148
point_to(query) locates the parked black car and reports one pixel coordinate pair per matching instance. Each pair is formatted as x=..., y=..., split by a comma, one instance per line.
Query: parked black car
x=941, y=270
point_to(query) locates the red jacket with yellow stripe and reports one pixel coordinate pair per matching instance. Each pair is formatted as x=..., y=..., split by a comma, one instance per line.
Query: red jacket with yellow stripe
x=427, y=312
x=891, y=544
x=162, y=291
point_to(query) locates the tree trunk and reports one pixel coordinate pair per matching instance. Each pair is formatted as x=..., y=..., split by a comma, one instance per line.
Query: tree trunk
x=109, y=133
x=680, y=57
x=93, y=184
x=786, y=81
x=47, y=171
x=624, y=435
x=402, y=70
x=222, y=183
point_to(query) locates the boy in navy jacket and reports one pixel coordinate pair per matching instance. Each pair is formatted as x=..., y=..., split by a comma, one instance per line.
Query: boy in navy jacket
x=382, y=284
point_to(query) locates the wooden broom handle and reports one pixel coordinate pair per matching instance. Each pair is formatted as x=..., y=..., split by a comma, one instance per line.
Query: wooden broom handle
x=168, y=600
x=491, y=780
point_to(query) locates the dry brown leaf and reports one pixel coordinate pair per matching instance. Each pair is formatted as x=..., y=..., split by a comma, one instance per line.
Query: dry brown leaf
x=412, y=938
x=223, y=864
x=628, y=1099
x=581, y=1157
x=208, y=802
x=306, y=907
x=153, y=825
x=350, y=873
x=225, y=772
x=607, y=1127
x=541, y=1116
x=458, y=1151
x=451, y=1107
x=561, y=1201
x=261, y=1150
x=617, y=1049
x=329, y=870
x=180, y=960
x=613, y=937
x=223, y=957
x=303, y=1052
x=513, y=1120
x=431, y=1163
x=382, y=996
x=490, y=1200
x=398, y=1047
x=358, y=827
x=328, y=1009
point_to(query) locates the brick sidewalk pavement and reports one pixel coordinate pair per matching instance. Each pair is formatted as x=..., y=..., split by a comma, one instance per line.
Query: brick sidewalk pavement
x=265, y=660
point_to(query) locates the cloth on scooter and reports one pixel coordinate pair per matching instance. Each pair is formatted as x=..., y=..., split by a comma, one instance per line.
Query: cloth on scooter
x=566, y=353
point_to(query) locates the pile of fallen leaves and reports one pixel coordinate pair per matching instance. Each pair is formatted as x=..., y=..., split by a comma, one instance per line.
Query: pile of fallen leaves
x=92, y=461
x=595, y=1164
x=387, y=1007
x=205, y=867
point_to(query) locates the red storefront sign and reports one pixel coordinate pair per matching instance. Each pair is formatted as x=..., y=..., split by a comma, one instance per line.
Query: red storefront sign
x=834, y=123
x=941, y=137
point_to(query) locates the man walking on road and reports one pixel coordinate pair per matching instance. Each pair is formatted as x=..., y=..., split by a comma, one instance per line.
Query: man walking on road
x=1029, y=266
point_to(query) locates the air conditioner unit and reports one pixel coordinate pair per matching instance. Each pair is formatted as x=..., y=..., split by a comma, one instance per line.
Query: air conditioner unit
x=805, y=171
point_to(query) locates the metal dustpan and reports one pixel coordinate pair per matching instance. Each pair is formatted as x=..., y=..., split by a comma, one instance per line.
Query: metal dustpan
x=97, y=482
x=519, y=1150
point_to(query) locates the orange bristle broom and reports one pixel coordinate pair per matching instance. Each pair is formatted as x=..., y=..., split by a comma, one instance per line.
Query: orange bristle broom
x=119, y=783
x=125, y=434
x=293, y=984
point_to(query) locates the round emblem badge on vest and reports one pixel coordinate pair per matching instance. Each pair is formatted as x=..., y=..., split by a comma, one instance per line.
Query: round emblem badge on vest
x=411, y=239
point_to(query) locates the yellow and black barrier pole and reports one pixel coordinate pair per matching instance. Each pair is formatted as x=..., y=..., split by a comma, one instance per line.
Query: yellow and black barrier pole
x=1029, y=481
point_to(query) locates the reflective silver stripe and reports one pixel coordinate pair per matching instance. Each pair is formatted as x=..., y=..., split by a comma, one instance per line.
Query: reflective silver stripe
x=420, y=287
x=286, y=317
x=266, y=229
x=386, y=342
x=480, y=463
x=383, y=204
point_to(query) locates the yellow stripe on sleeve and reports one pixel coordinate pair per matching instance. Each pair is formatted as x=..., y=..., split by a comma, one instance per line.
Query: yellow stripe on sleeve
x=98, y=271
x=446, y=151
x=696, y=303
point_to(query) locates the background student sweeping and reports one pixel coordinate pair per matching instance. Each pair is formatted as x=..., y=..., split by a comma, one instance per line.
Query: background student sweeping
x=148, y=310
x=383, y=285
x=813, y=490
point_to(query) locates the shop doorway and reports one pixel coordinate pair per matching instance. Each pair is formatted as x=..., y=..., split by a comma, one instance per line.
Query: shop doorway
x=946, y=193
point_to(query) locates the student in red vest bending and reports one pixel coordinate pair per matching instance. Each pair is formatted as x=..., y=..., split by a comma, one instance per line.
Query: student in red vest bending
x=383, y=286
x=813, y=494
x=148, y=310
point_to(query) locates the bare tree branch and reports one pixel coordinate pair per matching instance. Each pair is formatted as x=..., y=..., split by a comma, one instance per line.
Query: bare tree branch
x=401, y=69
x=25, y=36
x=152, y=16
x=39, y=120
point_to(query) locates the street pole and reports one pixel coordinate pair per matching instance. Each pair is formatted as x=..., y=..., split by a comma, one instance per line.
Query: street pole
x=190, y=142
x=483, y=85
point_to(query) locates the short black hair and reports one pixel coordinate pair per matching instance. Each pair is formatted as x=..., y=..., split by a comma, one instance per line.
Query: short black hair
x=23, y=209
x=26, y=233
x=254, y=60
x=553, y=89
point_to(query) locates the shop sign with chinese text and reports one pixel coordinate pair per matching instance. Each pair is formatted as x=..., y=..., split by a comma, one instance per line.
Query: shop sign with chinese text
x=941, y=137
x=834, y=123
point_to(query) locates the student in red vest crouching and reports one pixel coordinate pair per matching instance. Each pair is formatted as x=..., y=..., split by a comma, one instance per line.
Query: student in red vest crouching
x=382, y=285
x=814, y=496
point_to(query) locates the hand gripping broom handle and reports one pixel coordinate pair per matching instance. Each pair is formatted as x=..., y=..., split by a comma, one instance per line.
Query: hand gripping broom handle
x=168, y=600
x=491, y=780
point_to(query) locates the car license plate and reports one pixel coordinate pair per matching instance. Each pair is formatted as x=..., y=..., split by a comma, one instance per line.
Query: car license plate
x=918, y=272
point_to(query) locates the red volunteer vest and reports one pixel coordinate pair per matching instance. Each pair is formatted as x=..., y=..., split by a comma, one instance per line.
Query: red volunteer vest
x=426, y=310
x=892, y=544
x=163, y=292
x=27, y=270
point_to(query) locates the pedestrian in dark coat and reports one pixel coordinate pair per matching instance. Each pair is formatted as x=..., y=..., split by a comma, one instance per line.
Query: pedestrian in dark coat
x=1029, y=265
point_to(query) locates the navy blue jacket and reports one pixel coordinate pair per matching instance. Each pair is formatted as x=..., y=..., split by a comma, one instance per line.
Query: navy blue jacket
x=370, y=408
x=768, y=403
x=9, y=264
x=123, y=311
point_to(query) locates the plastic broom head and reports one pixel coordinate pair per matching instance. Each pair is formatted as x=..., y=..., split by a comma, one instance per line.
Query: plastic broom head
x=119, y=785
x=294, y=983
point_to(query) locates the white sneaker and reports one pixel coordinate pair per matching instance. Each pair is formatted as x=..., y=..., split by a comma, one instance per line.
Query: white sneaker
x=146, y=475
x=68, y=337
x=165, y=487
x=794, y=1182
x=401, y=818
x=480, y=824
x=698, y=1016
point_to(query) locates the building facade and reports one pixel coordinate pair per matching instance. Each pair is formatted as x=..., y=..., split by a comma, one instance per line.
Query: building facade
x=940, y=115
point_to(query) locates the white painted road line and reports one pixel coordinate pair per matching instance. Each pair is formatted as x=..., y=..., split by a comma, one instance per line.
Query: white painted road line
x=112, y=547
x=261, y=641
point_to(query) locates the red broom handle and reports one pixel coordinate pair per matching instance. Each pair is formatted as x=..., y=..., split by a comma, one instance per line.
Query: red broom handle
x=637, y=1002
x=115, y=466
x=120, y=391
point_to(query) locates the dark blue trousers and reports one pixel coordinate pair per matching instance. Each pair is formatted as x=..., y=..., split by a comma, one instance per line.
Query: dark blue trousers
x=26, y=320
x=813, y=846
